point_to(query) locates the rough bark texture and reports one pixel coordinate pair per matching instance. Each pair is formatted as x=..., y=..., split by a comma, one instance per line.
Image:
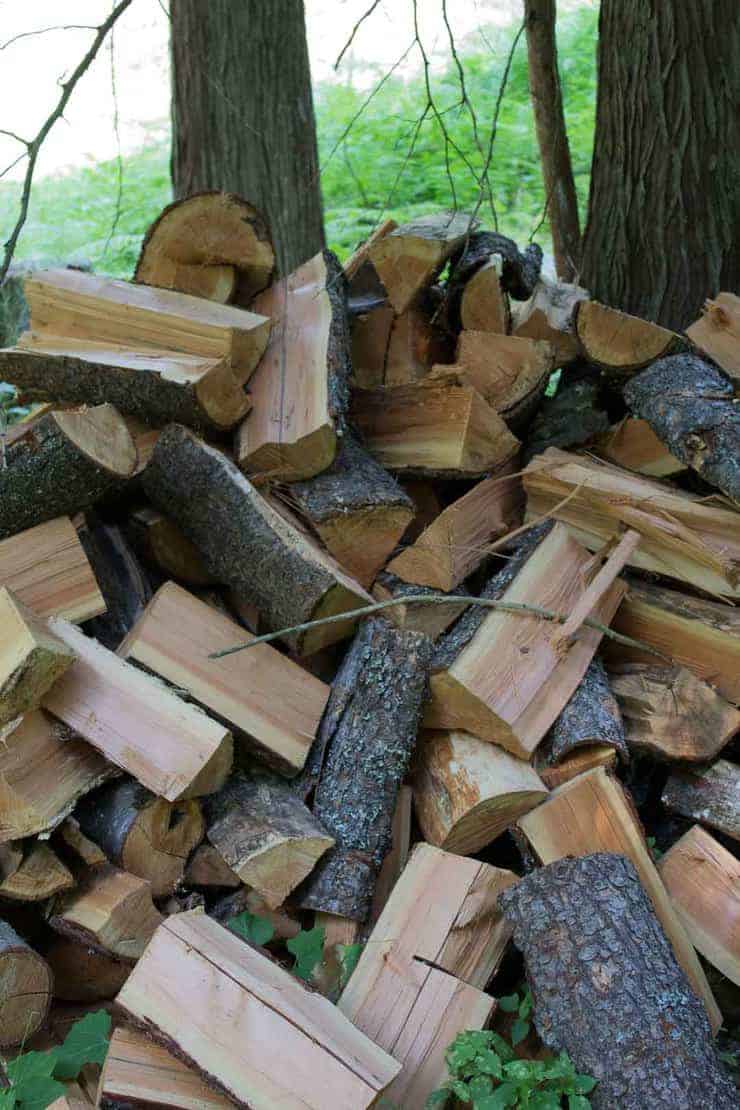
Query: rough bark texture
x=242, y=114
x=552, y=136
x=591, y=717
x=519, y=276
x=608, y=990
x=663, y=227
x=691, y=407
x=354, y=481
x=25, y=988
x=123, y=583
x=571, y=417
x=710, y=795
x=369, y=733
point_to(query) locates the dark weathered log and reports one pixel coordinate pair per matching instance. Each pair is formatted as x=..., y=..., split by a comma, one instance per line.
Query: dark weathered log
x=61, y=464
x=607, y=988
x=691, y=407
x=591, y=717
x=123, y=583
x=369, y=732
x=141, y=833
x=411, y=614
x=245, y=542
x=83, y=974
x=569, y=418
x=266, y=834
x=710, y=795
x=25, y=988
x=521, y=269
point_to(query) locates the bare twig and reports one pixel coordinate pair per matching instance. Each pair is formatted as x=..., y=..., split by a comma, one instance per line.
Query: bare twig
x=46, y=30
x=34, y=146
x=117, y=133
x=355, y=29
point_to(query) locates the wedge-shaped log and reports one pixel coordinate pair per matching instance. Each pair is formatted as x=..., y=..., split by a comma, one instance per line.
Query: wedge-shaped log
x=409, y=257
x=300, y=389
x=520, y=270
x=413, y=615
x=436, y=426
x=44, y=770
x=208, y=868
x=159, y=541
x=438, y=941
x=247, y=543
x=111, y=911
x=457, y=541
x=247, y=1005
x=85, y=306
x=468, y=792
x=370, y=336
x=62, y=464
x=707, y=794
x=357, y=508
x=136, y=722
x=592, y=813
x=31, y=658
x=671, y=714
x=549, y=315
x=703, y=880
x=156, y=386
x=72, y=837
x=590, y=717
x=139, y=1073
x=483, y=304
x=699, y=634
x=506, y=677
x=717, y=332
x=415, y=344
x=683, y=536
x=40, y=875
x=266, y=835
x=212, y=244
x=270, y=702
x=47, y=569
x=142, y=834
x=619, y=342
x=26, y=987
x=509, y=371
x=633, y=444
x=575, y=763
x=397, y=858
x=83, y=974
x=608, y=988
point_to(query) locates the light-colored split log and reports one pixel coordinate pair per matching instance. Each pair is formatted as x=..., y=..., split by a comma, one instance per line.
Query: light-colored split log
x=484, y=306
x=360, y=256
x=73, y=838
x=31, y=658
x=396, y=860
x=591, y=814
x=710, y=795
x=136, y=722
x=619, y=342
x=509, y=371
x=575, y=763
x=47, y=569
x=408, y=258
x=44, y=770
x=703, y=880
x=25, y=988
x=411, y=615
x=634, y=445
x=415, y=344
x=271, y=702
x=467, y=792
x=111, y=911
x=40, y=876
x=548, y=315
x=86, y=306
x=208, y=868
x=371, y=333
x=239, y=1006
x=457, y=541
x=717, y=332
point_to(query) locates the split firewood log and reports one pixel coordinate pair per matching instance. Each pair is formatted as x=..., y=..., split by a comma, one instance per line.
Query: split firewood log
x=159, y=542
x=520, y=270
x=26, y=987
x=357, y=508
x=468, y=792
x=590, y=717
x=246, y=543
x=549, y=314
x=574, y=415
x=62, y=464
x=365, y=745
x=83, y=974
x=207, y=868
x=608, y=989
x=575, y=763
x=40, y=875
x=124, y=583
x=633, y=444
x=408, y=258
x=357, y=263
x=691, y=407
x=73, y=842
x=717, y=332
x=398, y=856
x=265, y=834
x=415, y=344
x=710, y=795
x=479, y=302
x=671, y=714
x=31, y=658
x=510, y=372
x=211, y=244
x=71, y=591
x=370, y=336
x=411, y=614
x=142, y=834
x=618, y=342
x=110, y=911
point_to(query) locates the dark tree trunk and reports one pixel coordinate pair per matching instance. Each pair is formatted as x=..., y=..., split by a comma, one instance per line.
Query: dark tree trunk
x=664, y=220
x=552, y=136
x=242, y=114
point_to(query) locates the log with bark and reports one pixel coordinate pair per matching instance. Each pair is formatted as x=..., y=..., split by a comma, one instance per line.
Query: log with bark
x=213, y=244
x=32, y=658
x=710, y=795
x=124, y=583
x=479, y=302
x=608, y=989
x=574, y=415
x=141, y=833
x=620, y=343
x=549, y=314
x=510, y=372
x=70, y=590
x=83, y=974
x=408, y=258
x=62, y=464
x=159, y=542
x=110, y=911
x=717, y=332
x=576, y=763
x=247, y=543
x=26, y=986
x=40, y=875
x=591, y=717
x=520, y=270
x=633, y=444
x=409, y=611
x=691, y=407
x=365, y=744
x=207, y=868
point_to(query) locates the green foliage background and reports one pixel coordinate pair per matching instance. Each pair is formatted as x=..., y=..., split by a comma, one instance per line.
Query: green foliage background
x=369, y=176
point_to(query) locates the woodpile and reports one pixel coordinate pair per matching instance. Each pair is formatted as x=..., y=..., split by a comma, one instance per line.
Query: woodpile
x=379, y=618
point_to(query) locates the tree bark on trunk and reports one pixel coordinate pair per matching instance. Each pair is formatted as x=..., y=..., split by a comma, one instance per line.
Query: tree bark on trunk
x=663, y=226
x=242, y=114
x=552, y=136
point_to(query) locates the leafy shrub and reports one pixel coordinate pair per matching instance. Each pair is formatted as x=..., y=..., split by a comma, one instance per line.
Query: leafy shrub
x=34, y=1077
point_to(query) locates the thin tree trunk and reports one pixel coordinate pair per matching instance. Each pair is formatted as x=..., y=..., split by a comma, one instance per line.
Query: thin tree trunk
x=242, y=114
x=664, y=220
x=552, y=136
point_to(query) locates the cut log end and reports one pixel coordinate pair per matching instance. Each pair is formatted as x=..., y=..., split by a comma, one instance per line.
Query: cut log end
x=617, y=341
x=26, y=987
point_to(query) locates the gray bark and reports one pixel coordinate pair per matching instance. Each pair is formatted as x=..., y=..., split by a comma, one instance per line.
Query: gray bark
x=123, y=583
x=591, y=717
x=573, y=416
x=354, y=481
x=108, y=815
x=521, y=269
x=710, y=795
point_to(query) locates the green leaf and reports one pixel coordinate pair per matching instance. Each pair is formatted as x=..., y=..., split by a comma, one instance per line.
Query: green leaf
x=39, y=1093
x=461, y=1090
x=308, y=949
x=578, y=1102
x=509, y=1003
x=7, y=1098
x=437, y=1098
x=489, y=1062
x=30, y=1066
x=584, y=1084
x=544, y=1100
x=519, y=1031
x=480, y=1086
x=526, y=1007
x=505, y=1095
x=86, y=1043
x=523, y=1071
x=257, y=930
x=502, y=1047
x=349, y=955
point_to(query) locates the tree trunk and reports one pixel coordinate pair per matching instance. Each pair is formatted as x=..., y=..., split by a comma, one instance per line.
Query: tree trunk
x=552, y=136
x=242, y=114
x=663, y=230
